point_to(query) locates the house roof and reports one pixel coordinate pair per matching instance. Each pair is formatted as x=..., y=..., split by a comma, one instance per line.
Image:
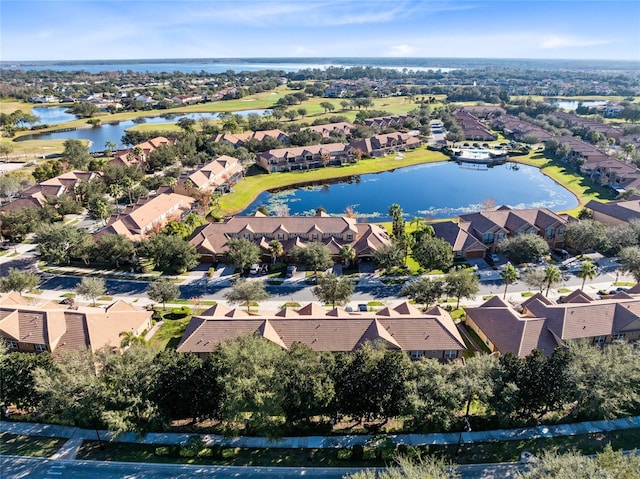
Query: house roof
x=59, y=327
x=406, y=329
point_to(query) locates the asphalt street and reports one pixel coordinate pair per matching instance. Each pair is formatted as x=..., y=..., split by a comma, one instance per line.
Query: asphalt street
x=15, y=467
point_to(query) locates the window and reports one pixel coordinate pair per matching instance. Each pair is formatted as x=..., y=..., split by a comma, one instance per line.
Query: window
x=450, y=354
x=314, y=236
x=550, y=232
x=349, y=237
x=416, y=354
x=41, y=347
x=247, y=235
x=598, y=340
x=488, y=238
x=12, y=344
x=280, y=236
x=500, y=236
x=618, y=336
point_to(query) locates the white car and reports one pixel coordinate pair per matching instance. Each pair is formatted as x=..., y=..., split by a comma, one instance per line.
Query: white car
x=255, y=269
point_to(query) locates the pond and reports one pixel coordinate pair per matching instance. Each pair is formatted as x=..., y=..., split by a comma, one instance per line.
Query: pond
x=573, y=104
x=52, y=115
x=433, y=190
x=99, y=135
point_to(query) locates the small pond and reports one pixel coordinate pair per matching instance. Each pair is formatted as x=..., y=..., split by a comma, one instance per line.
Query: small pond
x=573, y=104
x=52, y=115
x=99, y=135
x=434, y=190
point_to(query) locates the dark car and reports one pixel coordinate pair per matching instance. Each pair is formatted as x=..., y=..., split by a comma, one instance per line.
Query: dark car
x=363, y=307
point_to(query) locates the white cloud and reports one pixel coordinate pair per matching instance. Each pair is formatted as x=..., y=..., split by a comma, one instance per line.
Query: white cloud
x=402, y=50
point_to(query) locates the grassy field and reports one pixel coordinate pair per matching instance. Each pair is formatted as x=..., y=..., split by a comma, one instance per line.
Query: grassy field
x=12, y=444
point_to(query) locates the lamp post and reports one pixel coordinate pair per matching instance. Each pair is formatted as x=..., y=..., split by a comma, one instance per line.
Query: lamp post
x=465, y=428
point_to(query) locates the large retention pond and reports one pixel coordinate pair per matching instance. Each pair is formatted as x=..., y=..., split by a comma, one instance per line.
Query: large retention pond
x=433, y=190
x=113, y=132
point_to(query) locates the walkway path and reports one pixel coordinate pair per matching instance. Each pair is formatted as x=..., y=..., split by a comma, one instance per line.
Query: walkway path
x=77, y=435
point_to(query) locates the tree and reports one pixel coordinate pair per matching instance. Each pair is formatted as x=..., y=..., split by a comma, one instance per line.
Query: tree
x=630, y=260
x=185, y=386
x=59, y=243
x=432, y=253
x=100, y=208
x=248, y=381
x=304, y=383
x=573, y=465
x=18, y=382
x=113, y=250
x=509, y=275
x=585, y=235
x=328, y=106
x=314, y=255
x=525, y=248
x=186, y=124
x=130, y=338
x=275, y=249
x=535, y=278
x=91, y=288
x=170, y=254
x=389, y=256
x=588, y=271
x=18, y=281
x=246, y=292
x=334, y=290
x=242, y=253
x=398, y=223
x=462, y=283
x=552, y=276
x=163, y=291
x=72, y=391
x=474, y=379
x=348, y=254
x=76, y=153
x=424, y=290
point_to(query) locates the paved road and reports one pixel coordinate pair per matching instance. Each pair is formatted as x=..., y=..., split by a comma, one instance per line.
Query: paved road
x=15, y=467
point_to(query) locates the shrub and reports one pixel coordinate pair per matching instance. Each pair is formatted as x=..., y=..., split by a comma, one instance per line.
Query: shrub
x=230, y=452
x=344, y=454
x=168, y=451
x=193, y=447
x=357, y=453
x=216, y=451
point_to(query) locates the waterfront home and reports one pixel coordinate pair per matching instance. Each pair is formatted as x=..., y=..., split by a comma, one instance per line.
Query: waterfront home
x=304, y=157
x=615, y=212
x=472, y=127
x=240, y=139
x=462, y=241
x=404, y=328
x=53, y=327
x=334, y=232
x=326, y=130
x=381, y=145
x=491, y=227
x=220, y=174
x=147, y=215
x=545, y=325
x=139, y=154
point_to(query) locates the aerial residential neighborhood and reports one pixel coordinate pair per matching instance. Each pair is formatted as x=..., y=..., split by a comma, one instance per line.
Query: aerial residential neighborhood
x=335, y=244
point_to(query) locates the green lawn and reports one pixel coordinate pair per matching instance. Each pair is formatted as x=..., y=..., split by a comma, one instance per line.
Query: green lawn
x=169, y=334
x=16, y=445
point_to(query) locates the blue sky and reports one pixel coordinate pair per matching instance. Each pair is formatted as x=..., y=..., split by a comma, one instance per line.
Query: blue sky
x=125, y=29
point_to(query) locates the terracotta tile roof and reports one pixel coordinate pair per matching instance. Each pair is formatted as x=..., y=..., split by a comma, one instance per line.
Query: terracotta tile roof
x=55, y=326
x=404, y=328
x=458, y=236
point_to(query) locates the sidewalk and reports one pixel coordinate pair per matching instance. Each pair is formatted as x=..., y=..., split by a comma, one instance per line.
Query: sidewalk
x=77, y=435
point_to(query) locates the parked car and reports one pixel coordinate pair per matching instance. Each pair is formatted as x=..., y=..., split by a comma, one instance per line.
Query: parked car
x=494, y=258
x=561, y=253
x=255, y=268
x=291, y=270
x=363, y=307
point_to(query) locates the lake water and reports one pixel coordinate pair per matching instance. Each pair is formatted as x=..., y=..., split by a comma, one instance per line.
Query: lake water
x=99, y=135
x=434, y=190
x=52, y=115
x=572, y=104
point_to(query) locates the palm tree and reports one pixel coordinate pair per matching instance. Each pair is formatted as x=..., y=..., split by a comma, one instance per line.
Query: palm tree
x=551, y=276
x=587, y=270
x=275, y=249
x=129, y=338
x=509, y=275
x=347, y=253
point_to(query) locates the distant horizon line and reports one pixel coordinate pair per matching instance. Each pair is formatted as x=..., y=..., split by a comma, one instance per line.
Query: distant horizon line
x=289, y=59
